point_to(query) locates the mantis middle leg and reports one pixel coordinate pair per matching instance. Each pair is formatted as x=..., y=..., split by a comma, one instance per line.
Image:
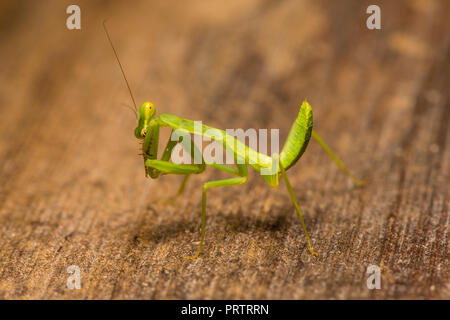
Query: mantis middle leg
x=173, y=168
x=243, y=176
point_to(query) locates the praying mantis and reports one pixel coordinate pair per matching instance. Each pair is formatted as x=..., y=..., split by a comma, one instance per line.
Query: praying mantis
x=148, y=128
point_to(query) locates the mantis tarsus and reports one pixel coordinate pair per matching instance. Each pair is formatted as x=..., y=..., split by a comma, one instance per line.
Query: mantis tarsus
x=147, y=130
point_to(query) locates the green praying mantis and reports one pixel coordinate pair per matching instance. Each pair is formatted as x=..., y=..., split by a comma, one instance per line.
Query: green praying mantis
x=149, y=125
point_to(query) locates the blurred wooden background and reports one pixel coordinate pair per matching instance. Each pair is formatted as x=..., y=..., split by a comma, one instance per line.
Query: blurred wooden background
x=72, y=188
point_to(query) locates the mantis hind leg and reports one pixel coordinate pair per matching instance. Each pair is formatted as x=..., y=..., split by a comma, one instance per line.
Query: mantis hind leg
x=338, y=161
x=297, y=208
x=243, y=173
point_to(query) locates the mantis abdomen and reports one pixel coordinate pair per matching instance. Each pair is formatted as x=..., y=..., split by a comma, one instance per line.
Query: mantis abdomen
x=298, y=137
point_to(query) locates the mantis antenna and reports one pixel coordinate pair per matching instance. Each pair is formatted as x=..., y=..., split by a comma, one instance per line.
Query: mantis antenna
x=120, y=65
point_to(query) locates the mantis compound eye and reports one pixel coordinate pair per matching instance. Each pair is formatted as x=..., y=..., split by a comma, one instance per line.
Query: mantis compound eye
x=143, y=133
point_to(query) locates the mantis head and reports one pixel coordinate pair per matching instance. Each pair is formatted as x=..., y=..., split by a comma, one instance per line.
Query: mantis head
x=146, y=112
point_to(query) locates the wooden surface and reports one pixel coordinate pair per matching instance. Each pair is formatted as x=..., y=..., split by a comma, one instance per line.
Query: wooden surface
x=73, y=190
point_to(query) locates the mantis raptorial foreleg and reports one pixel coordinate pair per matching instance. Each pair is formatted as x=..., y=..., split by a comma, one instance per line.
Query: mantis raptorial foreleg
x=150, y=146
x=242, y=171
x=173, y=168
x=169, y=147
x=338, y=161
x=166, y=156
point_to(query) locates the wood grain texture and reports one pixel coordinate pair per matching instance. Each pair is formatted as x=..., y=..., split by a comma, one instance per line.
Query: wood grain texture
x=72, y=186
